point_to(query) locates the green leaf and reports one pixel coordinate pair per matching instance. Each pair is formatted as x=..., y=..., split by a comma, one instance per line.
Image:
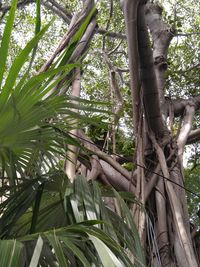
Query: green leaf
x=17, y=65
x=139, y=253
x=71, y=246
x=83, y=191
x=37, y=30
x=77, y=37
x=107, y=257
x=36, y=208
x=11, y=253
x=37, y=252
x=6, y=39
x=53, y=239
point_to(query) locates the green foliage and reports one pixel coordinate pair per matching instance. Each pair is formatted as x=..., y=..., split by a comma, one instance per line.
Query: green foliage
x=192, y=181
x=183, y=76
x=125, y=143
x=75, y=222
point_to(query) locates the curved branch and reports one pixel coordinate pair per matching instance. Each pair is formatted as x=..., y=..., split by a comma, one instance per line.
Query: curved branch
x=179, y=105
x=58, y=10
x=193, y=137
x=115, y=178
x=102, y=155
x=96, y=168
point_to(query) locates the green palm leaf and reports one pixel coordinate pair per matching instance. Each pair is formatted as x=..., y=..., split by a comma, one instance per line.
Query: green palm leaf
x=11, y=253
x=6, y=40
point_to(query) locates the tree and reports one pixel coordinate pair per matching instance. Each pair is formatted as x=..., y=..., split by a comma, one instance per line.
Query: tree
x=162, y=125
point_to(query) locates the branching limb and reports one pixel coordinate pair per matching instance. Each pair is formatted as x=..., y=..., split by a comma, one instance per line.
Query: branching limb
x=194, y=136
x=73, y=28
x=88, y=144
x=179, y=105
x=58, y=10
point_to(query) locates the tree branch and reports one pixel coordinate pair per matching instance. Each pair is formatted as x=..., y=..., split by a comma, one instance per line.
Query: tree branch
x=102, y=155
x=185, y=130
x=58, y=10
x=21, y=4
x=180, y=104
x=193, y=137
x=71, y=157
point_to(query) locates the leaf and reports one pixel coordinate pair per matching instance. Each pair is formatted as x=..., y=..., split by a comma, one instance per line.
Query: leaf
x=6, y=39
x=37, y=30
x=139, y=253
x=84, y=193
x=77, y=37
x=17, y=65
x=71, y=246
x=36, y=208
x=11, y=253
x=107, y=257
x=53, y=239
x=37, y=252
